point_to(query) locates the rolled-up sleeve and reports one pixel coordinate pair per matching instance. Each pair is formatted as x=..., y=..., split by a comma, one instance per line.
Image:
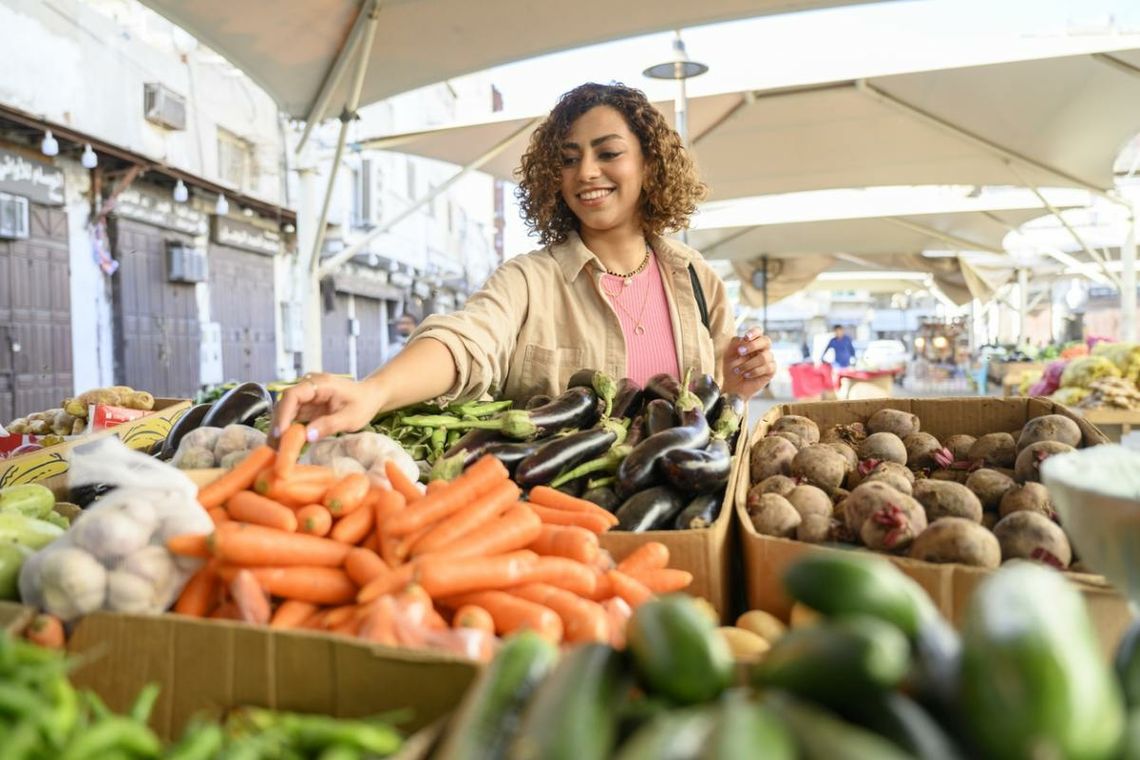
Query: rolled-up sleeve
x=482, y=335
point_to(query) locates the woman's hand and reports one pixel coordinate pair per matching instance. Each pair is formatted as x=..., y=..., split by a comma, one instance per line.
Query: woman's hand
x=748, y=364
x=329, y=404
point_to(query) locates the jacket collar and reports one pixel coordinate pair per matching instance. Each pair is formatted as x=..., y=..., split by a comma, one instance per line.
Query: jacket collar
x=573, y=256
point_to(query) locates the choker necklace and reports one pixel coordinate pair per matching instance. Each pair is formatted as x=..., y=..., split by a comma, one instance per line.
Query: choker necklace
x=627, y=279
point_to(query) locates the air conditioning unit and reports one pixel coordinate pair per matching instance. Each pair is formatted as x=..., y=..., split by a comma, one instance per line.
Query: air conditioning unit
x=371, y=193
x=13, y=216
x=164, y=107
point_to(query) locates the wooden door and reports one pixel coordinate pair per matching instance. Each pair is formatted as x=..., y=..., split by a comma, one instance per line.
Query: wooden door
x=334, y=336
x=242, y=301
x=371, y=314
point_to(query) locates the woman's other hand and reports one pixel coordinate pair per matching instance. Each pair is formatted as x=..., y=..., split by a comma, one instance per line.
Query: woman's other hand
x=329, y=404
x=748, y=364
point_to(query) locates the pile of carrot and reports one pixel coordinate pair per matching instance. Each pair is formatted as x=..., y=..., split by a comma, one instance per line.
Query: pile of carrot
x=296, y=546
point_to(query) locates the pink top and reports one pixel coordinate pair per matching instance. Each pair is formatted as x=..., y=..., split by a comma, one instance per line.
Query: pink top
x=643, y=310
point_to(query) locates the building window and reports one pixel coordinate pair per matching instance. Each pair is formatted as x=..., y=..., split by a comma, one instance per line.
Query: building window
x=237, y=161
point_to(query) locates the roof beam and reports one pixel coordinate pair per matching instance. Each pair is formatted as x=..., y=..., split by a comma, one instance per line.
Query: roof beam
x=957, y=242
x=1116, y=63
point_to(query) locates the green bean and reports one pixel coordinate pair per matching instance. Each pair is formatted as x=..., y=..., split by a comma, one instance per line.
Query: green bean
x=144, y=703
x=201, y=742
x=113, y=732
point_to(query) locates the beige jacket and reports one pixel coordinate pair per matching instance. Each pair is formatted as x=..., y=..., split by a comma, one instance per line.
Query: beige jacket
x=542, y=316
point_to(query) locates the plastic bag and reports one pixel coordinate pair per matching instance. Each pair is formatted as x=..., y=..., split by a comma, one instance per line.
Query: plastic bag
x=114, y=556
x=370, y=450
x=1051, y=379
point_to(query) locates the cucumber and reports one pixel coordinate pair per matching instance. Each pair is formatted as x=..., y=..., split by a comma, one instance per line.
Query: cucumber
x=673, y=735
x=33, y=533
x=677, y=651
x=1034, y=683
x=903, y=721
x=1131, y=747
x=574, y=714
x=836, y=662
x=742, y=727
x=490, y=712
x=30, y=500
x=820, y=735
x=1127, y=664
x=12, y=556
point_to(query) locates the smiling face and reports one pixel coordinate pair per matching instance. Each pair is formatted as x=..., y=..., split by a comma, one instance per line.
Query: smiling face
x=603, y=172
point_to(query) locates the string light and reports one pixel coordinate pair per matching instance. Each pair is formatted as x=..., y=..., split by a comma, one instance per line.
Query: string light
x=222, y=207
x=89, y=159
x=49, y=147
x=181, y=194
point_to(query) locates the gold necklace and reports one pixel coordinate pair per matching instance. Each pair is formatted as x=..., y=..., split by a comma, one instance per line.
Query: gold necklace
x=627, y=279
x=638, y=327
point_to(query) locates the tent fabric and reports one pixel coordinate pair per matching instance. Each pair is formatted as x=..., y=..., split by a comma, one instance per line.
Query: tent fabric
x=785, y=277
x=288, y=46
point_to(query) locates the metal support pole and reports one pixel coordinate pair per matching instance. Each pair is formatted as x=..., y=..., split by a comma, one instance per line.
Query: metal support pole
x=1022, y=305
x=1128, y=282
x=764, y=264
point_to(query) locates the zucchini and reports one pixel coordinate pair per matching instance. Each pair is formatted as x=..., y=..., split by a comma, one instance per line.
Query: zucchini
x=677, y=651
x=742, y=727
x=672, y=735
x=822, y=736
x=12, y=556
x=490, y=712
x=574, y=714
x=837, y=662
x=903, y=721
x=1127, y=664
x=1034, y=683
x=33, y=533
x=30, y=500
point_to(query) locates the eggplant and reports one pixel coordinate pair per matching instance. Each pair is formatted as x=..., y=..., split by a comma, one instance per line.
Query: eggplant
x=705, y=388
x=730, y=418
x=659, y=415
x=573, y=409
x=636, y=431
x=651, y=509
x=565, y=452
x=700, y=513
x=474, y=443
x=512, y=453
x=85, y=495
x=695, y=471
x=583, y=378
x=642, y=467
x=664, y=386
x=537, y=400
x=191, y=419
x=628, y=400
x=604, y=497
x=237, y=404
x=604, y=387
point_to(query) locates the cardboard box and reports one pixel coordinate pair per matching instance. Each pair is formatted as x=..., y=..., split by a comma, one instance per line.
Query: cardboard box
x=950, y=585
x=14, y=616
x=704, y=553
x=140, y=434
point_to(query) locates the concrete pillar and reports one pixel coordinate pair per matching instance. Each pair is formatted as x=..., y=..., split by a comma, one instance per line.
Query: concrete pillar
x=306, y=289
x=1128, y=281
x=1022, y=305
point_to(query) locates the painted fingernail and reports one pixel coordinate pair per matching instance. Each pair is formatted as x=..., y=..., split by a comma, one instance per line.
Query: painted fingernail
x=749, y=374
x=311, y=435
x=742, y=350
x=736, y=370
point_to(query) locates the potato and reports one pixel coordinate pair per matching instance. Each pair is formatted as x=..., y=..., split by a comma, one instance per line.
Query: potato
x=814, y=529
x=893, y=421
x=771, y=456
x=989, y=486
x=806, y=429
x=780, y=484
x=1031, y=497
x=883, y=447
x=1050, y=427
x=745, y=646
x=764, y=624
x=925, y=452
x=820, y=466
x=790, y=437
x=871, y=497
x=1030, y=535
x=704, y=606
x=893, y=525
x=1028, y=466
x=956, y=539
x=959, y=446
x=803, y=616
x=850, y=434
x=775, y=516
x=809, y=500
x=994, y=450
x=895, y=475
x=138, y=400
x=941, y=498
x=193, y=458
x=990, y=519
x=951, y=475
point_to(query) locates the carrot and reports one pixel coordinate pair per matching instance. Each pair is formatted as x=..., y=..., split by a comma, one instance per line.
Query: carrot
x=479, y=478
x=353, y=527
x=243, y=544
x=292, y=614
x=226, y=611
x=412, y=606
x=649, y=556
x=619, y=613
x=294, y=493
x=246, y=506
x=603, y=589
x=289, y=448
x=188, y=545
x=250, y=598
x=401, y=483
x=348, y=627
x=238, y=479
x=487, y=506
x=314, y=519
x=475, y=617
x=562, y=573
x=348, y=494
x=46, y=631
x=386, y=584
x=404, y=544
x=302, y=473
x=633, y=591
x=434, y=620
x=567, y=541
x=200, y=594
x=218, y=515
x=316, y=585
x=448, y=576
x=663, y=580
x=513, y=530
x=582, y=620
x=363, y=566
x=337, y=615
x=513, y=614
x=549, y=497
x=434, y=486
x=379, y=624
x=552, y=516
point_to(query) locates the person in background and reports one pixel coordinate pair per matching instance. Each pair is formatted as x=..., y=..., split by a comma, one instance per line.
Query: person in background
x=405, y=326
x=842, y=347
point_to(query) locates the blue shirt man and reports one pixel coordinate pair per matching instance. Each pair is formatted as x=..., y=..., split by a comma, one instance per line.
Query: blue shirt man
x=842, y=347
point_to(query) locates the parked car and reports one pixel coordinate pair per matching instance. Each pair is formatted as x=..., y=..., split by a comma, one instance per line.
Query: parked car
x=884, y=354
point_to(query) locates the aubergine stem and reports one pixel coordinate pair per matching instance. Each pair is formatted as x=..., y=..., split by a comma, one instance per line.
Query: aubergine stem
x=513, y=424
x=479, y=408
x=605, y=482
x=606, y=388
x=607, y=462
x=726, y=424
x=686, y=399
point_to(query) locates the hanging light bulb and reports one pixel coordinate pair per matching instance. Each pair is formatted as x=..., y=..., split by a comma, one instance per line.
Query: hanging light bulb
x=222, y=207
x=181, y=194
x=89, y=159
x=49, y=147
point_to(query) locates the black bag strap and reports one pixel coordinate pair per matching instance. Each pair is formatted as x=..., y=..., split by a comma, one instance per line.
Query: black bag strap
x=699, y=294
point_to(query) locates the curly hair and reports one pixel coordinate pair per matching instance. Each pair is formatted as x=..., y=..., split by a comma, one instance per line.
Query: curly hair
x=672, y=188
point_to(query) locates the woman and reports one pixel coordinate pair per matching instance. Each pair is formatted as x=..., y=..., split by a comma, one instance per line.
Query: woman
x=603, y=179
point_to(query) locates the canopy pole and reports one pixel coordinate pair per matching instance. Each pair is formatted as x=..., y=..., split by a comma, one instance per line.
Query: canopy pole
x=865, y=87
x=366, y=18
x=1128, y=282
x=1023, y=305
x=954, y=240
x=1088, y=270
x=336, y=260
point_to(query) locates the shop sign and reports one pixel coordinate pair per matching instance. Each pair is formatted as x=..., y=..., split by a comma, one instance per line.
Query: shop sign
x=37, y=181
x=422, y=289
x=400, y=279
x=161, y=212
x=249, y=237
